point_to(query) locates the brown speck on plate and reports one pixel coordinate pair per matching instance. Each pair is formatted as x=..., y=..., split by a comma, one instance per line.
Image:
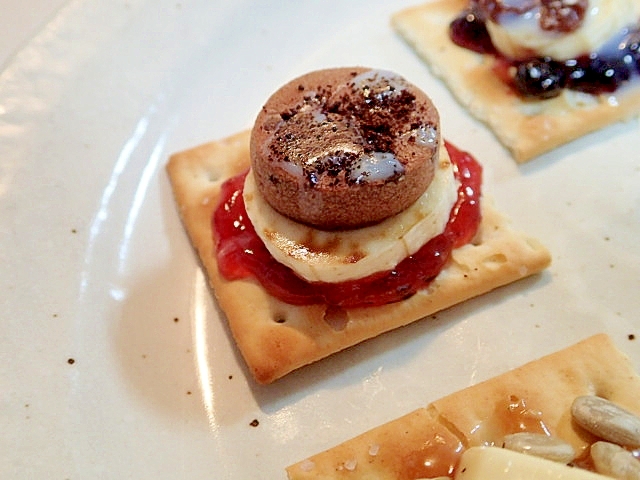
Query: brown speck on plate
x=254, y=422
x=71, y=361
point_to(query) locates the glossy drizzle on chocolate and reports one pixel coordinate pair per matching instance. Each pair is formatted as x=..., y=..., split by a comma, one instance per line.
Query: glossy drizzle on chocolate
x=350, y=133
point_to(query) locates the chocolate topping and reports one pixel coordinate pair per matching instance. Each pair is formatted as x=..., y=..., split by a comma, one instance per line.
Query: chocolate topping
x=346, y=147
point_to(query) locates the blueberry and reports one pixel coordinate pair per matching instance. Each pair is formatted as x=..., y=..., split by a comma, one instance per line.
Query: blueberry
x=596, y=74
x=469, y=30
x=539, y=78
x=631, y=52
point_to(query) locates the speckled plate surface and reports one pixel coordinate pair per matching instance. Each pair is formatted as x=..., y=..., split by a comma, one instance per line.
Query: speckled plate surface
x=114, y=361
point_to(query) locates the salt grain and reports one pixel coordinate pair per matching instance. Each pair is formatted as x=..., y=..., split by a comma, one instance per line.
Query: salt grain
x=307, y=465
x=351, y=464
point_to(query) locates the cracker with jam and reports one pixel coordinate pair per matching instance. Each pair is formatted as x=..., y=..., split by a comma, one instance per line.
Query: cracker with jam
x=534, y=95
x=281, y=320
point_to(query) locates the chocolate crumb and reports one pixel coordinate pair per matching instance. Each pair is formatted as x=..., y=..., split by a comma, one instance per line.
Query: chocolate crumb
x=631, y=336
x=71, y=361
x=230, y=377
x=254, y=422
x=176, y=319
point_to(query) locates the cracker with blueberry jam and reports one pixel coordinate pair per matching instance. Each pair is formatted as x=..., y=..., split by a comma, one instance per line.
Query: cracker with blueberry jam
x=539, y=73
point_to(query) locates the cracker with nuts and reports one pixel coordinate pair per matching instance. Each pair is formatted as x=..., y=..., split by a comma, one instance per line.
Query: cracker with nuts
x=578, y=406
x=527, y=128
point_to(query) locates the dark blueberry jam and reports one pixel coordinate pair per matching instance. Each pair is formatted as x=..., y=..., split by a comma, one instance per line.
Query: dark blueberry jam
x=604, y=71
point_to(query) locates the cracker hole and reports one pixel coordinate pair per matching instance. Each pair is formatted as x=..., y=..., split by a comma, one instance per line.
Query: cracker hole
x=496, y=260
x=279, y=318
x=213, y=175
x=477, y=238
x=336, y=318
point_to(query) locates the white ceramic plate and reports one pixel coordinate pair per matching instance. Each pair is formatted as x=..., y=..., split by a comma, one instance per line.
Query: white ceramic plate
x=114, y=360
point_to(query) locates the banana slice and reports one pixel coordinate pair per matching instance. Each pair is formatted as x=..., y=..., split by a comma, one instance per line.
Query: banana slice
x=338, y=256
x=604, y=19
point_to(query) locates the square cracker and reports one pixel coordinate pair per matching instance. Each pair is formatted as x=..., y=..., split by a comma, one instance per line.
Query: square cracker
x=274, y=337
x=475, y=415
x=527, y=128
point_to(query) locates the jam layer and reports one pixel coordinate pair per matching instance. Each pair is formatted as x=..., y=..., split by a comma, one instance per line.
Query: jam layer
x=241, y=253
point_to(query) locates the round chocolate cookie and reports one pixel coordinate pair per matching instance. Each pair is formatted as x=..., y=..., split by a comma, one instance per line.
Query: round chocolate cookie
x=344, y=148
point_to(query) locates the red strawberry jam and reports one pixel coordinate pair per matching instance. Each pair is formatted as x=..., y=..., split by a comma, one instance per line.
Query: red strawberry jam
x=241, y=253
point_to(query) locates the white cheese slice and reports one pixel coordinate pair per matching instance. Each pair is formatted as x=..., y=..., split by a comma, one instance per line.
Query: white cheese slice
x=338, y=256
x=494, y=463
